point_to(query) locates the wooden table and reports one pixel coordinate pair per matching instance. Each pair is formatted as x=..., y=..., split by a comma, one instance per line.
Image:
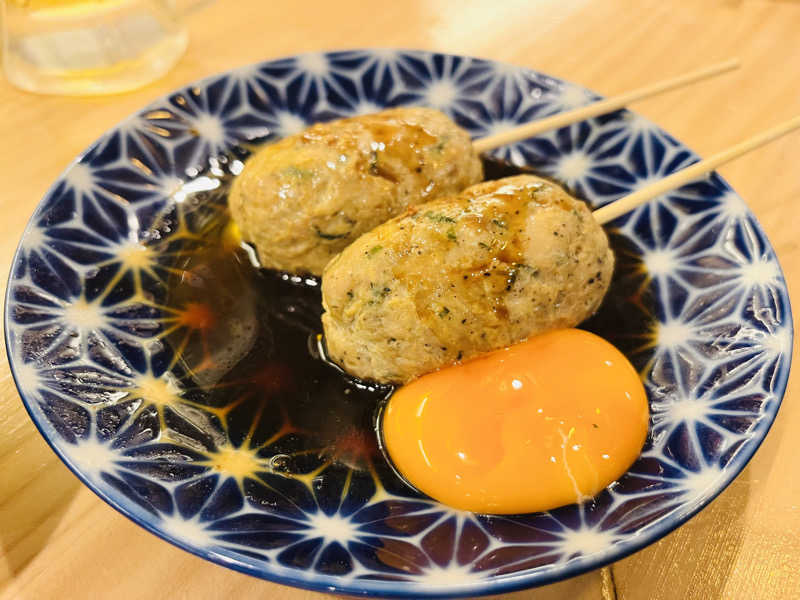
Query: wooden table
x=57, y=539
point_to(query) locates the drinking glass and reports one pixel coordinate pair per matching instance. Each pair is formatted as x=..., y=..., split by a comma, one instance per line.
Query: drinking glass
x=87, y=47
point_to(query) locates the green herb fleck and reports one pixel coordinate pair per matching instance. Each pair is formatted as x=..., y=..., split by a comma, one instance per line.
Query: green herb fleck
x=535, y=190
x=373, y=163
x=484, y=246
x=380, y=292
x=500, y=223
x=451, y=235
x=512, y=278
x=533, y=271
x=432, y=216
x=293, y=171
x=374, y=250
x=444, y=312
x=439, y=146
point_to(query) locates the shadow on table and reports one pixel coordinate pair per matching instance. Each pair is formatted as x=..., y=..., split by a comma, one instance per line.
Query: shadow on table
x=583, y=587
x=36, y=489
x=589, y=586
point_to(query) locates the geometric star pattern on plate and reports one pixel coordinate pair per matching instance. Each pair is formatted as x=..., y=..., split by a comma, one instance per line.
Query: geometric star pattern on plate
x=137, y=389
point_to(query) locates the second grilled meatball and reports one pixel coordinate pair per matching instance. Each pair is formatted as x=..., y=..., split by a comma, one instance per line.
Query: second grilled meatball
x=302, y=200
x=463, y=275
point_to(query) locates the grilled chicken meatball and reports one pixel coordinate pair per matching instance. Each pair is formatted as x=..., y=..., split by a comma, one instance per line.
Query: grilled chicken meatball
x=461, y=276
x=302, y=200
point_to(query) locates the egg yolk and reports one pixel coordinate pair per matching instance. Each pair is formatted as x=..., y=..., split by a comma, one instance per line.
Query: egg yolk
x=541, y=424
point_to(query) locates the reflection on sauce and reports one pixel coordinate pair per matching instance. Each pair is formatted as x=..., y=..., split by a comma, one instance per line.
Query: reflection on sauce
x=247, y=338
x=541, y=424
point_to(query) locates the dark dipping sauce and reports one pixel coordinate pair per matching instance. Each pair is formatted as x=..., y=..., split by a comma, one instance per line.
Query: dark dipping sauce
x=246, y=348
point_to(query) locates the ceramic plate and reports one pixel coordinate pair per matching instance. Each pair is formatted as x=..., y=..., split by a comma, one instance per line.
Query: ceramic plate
x=184, y=387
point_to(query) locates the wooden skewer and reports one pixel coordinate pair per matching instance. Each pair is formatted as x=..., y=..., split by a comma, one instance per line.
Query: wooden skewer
x=600, y=107
x=627, y=203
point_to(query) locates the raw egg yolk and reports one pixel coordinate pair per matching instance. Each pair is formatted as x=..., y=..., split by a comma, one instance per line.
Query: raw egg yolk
x=541, y=424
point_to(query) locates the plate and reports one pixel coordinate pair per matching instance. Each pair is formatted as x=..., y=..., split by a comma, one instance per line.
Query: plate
x=185, y=388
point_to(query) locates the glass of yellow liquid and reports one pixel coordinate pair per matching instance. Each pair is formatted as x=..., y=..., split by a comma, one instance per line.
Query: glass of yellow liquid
x=88, y=47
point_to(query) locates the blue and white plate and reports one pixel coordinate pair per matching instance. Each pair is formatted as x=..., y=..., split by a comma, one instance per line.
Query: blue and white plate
x=182, y=385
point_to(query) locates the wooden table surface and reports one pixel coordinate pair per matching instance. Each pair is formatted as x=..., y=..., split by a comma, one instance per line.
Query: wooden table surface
x=58, y=540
